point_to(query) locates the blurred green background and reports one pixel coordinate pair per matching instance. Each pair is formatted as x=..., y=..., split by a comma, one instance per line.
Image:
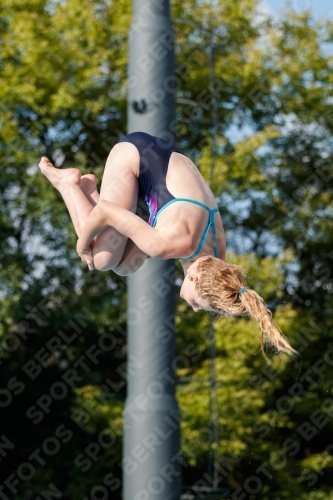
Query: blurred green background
x=63, y=94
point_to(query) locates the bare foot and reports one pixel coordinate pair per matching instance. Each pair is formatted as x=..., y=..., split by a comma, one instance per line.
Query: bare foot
x=59, y=178
x=89, y=187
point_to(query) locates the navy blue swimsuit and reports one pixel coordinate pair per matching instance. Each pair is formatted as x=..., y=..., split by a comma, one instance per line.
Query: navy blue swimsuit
x=154, y=159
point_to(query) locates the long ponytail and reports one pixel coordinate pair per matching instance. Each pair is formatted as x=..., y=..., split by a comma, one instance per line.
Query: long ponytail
x=220, y=283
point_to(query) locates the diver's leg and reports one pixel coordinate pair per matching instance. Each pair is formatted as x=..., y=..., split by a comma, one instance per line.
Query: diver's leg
x=119, y=185
x=67, y=182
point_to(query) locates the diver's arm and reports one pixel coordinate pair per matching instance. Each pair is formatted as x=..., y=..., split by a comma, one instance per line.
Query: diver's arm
x=148, y=239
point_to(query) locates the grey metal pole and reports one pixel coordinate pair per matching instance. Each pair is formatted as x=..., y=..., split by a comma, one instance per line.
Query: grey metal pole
x=151, y=451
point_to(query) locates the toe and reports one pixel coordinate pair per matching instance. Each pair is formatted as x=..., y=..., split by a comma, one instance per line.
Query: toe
x=45, y=162
x=89, y=177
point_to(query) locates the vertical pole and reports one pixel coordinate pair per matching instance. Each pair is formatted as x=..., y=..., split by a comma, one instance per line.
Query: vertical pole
x=151, y=452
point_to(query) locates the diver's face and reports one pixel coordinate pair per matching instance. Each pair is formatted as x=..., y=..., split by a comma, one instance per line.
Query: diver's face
x=189, y=293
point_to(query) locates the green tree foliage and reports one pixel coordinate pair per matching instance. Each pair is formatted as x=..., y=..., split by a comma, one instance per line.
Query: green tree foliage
x=258, y=93
x=63, y=94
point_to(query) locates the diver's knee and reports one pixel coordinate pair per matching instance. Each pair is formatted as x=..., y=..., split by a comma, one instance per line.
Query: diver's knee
x=122, y=271
x=103, y=262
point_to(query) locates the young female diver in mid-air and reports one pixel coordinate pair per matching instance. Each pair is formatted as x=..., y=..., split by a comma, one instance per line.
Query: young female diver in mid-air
x=184, y=223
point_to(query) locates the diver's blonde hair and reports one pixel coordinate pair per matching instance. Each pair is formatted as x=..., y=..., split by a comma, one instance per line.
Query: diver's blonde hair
x=220, y=283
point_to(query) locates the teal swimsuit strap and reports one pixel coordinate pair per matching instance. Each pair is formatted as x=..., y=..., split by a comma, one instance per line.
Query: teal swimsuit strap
x=211, y=222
